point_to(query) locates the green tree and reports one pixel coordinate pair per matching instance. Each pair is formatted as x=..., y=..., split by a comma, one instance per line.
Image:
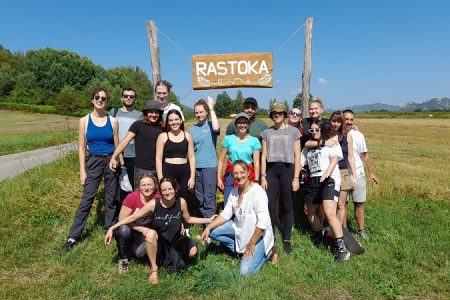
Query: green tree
x=224, y=105
x=68, y=101
x=238, y=102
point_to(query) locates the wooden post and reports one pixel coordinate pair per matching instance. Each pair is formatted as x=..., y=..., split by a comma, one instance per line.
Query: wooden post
x=154, y=51
x=306, y=76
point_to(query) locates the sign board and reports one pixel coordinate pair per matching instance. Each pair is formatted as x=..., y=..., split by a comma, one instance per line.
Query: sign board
x=219, y=71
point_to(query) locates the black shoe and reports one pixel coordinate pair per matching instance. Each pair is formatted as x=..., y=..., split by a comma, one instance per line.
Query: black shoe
x=67, y=247
x=342, y=254
x=287, y=247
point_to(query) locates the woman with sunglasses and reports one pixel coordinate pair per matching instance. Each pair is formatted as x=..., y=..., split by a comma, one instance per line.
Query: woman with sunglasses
x=145, y=133
x=280, y=168
x=243, y=227
x=316, y=108
x=323, y=188
x=175, y=156
x=164, y=243
x=295, y=119
x=239, y=146
x=99, y=133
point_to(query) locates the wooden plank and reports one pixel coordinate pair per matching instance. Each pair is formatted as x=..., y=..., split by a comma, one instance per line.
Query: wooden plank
x=154, y=51
x=219, y=71
x=306, y=77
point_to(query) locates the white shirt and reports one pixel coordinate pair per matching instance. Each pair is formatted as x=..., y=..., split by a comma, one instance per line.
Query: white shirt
x=254, y=204
x=359, y=147
x=172, y=106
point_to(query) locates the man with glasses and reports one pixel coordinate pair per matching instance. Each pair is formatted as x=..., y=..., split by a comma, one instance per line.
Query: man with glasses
x=127, y=115
x=361, y=154
x=250, y=107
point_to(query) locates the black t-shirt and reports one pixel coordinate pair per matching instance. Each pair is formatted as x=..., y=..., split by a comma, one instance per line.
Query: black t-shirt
x=145, y=144
x=167, y=221
x=324, y=125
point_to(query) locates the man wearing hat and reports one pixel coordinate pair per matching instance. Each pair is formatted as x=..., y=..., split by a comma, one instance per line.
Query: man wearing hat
x=250, y=107
x=126, y=115
x=145, y=132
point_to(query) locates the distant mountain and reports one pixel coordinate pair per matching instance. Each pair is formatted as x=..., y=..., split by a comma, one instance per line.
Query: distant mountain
x=430, y=105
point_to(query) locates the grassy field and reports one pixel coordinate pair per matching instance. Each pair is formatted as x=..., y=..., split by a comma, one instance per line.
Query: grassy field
x=21, y=131
x=407, y=255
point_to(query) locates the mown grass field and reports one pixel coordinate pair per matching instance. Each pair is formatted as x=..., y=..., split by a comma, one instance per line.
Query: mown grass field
x=407, y=255
x=22, y=131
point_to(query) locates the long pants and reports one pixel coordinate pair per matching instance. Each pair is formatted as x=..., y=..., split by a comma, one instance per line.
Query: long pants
x=130, y=243
x=279, y=180
x=181, y=172
x=96, y=169
x=225, y=234
x=205, y=190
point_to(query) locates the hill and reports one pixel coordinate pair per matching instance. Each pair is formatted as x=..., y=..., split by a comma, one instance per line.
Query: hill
x=430, y=105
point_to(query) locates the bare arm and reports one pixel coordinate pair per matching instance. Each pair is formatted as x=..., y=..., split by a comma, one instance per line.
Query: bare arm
x=218, y=220
x=214, y=121
x=115, y=126
x=297, y=166
x=119, y=149
x=351, y=160
x=263, y=164
x=223, y=153
x=191, y=159
x=330, y=168
x=256, y=159
x=162, y=138
x=192, y=220
x=369, y=166
x=250, y=249
x=82, y=149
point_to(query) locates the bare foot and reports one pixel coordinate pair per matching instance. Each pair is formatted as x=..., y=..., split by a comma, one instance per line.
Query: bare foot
x=153, y=278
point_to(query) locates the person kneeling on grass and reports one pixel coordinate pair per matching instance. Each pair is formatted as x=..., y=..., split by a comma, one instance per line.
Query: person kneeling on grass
x=250, y=231
x=131, y=238
x=165, y=244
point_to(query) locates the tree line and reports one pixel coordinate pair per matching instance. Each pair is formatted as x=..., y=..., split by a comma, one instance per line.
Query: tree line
x=64, y=80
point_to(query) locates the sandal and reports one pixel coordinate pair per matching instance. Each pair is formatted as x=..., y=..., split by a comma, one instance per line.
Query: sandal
x=153, y=280
x=273, y=257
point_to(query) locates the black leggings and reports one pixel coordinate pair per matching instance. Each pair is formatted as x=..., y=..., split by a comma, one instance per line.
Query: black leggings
x=130, y=243
x=279, y=181
x=181, y=172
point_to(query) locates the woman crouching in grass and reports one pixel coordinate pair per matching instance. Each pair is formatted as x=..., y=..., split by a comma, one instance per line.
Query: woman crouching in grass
x=131, y=237
x=250, y=231
x=323, y=188
x=165, y=244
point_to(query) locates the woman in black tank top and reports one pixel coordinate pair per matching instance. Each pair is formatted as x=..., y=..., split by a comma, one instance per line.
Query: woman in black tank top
x=175, y=155
x=165, y=244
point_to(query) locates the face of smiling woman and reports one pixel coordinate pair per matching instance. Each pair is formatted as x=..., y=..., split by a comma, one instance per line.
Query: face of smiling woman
x=167, y=190
x=146, y=186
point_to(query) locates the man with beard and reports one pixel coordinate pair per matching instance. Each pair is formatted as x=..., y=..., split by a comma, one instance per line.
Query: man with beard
x=126, y=115
x=250, y=107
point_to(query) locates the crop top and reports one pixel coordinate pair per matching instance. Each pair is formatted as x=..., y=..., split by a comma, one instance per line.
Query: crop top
x=175, y=150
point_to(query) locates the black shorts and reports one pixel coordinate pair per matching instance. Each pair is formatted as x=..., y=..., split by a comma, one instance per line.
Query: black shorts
x=317, y=191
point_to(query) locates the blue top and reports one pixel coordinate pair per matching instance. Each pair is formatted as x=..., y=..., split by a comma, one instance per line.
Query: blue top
x=205, y=140
x=100, y=140
x=241, y=150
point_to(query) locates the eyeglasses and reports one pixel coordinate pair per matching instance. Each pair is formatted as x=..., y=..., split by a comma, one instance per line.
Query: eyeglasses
x=128, y=96
x=100, y=98
x=314, y=130
x=295, y=114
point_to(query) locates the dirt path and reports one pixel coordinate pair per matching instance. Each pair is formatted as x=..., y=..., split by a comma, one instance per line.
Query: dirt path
x=14, y=164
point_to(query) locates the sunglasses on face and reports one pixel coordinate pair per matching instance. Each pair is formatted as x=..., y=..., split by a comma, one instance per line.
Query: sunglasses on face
x=314, y=130
x=100, y=98
x=128, y=96
x=295, y=114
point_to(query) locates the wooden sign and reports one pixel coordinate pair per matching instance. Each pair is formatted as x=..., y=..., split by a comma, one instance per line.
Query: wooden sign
x=219, y=71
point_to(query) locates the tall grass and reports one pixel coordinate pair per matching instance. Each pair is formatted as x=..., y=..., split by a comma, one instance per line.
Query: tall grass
x=407, y=255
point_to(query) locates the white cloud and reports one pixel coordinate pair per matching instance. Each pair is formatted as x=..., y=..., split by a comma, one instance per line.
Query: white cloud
x=322, y=81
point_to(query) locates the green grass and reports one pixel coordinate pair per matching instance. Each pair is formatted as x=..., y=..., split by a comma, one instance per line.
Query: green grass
x=407, y=255
x=20, y=142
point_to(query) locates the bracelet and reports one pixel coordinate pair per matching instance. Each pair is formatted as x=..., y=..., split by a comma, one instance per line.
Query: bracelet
x=263, y=174
x=296, y=177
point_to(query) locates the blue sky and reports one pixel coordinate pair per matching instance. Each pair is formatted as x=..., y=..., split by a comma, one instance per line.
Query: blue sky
x=363, y=51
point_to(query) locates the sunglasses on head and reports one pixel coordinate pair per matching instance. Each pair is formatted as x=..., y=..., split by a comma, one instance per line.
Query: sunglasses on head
x=295, y=114
x=313, y=130
x=100, y=98
x=128, y=96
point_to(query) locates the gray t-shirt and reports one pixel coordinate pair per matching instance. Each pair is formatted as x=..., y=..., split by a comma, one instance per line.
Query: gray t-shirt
x=280, y=143
x=125, y=120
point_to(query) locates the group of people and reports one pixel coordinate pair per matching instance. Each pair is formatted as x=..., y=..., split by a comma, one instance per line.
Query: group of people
x=258, y=169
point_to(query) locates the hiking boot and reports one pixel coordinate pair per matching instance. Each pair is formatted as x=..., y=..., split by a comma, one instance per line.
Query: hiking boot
x=67, y=247
x=123, y=266
x=363, y=234
x=342, y=255
x=287, y=247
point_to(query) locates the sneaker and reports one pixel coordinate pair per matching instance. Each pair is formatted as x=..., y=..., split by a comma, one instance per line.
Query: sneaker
x=342, y=254
x=287, y=247
x=123, y=266
x=363, y=234
x=67, y=247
